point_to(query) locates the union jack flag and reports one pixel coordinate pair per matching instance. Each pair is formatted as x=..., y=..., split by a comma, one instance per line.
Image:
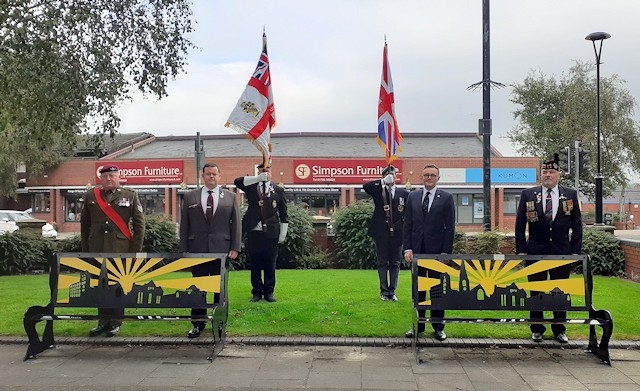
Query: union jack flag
x=388, y=132
x=254, y=114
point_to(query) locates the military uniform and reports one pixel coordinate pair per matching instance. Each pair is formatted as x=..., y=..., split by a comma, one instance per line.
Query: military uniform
x=261, y=222
x=100, y=235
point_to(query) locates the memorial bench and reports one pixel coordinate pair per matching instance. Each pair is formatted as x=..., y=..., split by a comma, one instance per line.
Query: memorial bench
x=157, y=283
x=466, y=283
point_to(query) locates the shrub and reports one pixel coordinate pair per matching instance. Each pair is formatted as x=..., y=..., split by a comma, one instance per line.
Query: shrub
x=70, y=245
x=487, y=242
x=318, y=259
x=460, y=243
x=21, y=252
x=160, y=235
x=352, y=239
x=297, y=244
x=607, y=258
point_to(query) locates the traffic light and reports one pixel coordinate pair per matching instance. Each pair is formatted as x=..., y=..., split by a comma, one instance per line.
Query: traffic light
x=583, y=159
x=565, y=160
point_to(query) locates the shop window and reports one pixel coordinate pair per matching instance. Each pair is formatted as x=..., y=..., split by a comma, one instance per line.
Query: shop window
x=511, y=203
x=73, y=206
x=152, y=203
x=41, y=203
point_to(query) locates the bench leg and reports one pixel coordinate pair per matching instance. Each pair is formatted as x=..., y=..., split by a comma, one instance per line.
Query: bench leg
x=218, y=326
x=414, y=340
x=36, y=345
x=601, y=350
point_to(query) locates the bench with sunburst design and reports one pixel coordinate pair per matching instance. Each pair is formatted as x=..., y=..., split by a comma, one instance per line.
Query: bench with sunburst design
x=134, y=281
x=461, y=283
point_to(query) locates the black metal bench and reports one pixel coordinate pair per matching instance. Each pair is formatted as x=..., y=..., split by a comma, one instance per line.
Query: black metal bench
x=499, y=283
x=142, y=281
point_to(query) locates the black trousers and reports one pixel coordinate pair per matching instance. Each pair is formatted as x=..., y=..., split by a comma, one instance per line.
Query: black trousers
x=553, y=274
x=205, y=269
x=110, y=312
x=262, y=253
x=422, y=296
x=388, y=256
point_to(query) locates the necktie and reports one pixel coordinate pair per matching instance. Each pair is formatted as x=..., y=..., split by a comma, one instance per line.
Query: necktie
x=425, y=203
x=548, y=207
x=210, y=206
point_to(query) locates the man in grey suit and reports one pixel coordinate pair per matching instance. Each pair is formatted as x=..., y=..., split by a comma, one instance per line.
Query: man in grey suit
x=209, y=223
x=429, y=228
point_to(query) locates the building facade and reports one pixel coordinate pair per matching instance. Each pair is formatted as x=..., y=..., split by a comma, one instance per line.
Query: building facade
x=325, y=171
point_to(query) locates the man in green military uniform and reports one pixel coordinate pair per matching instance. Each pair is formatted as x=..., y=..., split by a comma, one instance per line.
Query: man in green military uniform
x=108, y=215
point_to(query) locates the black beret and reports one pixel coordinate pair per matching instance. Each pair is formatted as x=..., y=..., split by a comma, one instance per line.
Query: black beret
x=108, y=168
x=551, y=164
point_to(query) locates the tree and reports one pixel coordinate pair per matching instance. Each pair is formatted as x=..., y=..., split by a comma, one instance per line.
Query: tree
x=65, y=65
x=555, y=112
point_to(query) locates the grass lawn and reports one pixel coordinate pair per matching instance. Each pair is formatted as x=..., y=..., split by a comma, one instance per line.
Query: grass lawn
x=315, y=303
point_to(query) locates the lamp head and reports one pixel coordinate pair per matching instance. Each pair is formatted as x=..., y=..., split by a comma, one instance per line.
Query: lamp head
x=597, y=36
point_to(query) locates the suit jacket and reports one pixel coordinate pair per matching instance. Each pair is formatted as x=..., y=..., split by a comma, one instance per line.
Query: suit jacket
x=378, y=227
x=99, y=234
x=549, y=238
x=434, y=232
x=274, y=209
x=220, y=235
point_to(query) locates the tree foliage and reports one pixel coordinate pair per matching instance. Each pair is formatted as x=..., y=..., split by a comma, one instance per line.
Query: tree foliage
x=555, y=112
x=65, y=65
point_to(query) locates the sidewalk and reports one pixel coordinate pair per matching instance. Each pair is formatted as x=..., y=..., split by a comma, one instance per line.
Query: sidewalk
x=316, y=363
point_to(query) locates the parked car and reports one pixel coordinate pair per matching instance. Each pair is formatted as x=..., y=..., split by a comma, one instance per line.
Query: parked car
x=8, y=226
x=24, y=220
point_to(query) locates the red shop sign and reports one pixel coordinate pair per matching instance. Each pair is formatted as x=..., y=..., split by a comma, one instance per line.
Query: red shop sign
x=339, y=171
x=147, y=172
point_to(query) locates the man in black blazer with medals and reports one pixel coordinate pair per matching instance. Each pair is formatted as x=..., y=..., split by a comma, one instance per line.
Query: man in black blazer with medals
x=429, y=228
x=385, y=228
x=265, y=222
x=209, y=223
x=553, y=216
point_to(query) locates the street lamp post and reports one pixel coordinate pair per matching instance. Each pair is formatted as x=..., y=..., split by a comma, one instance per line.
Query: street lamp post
x=593, y=37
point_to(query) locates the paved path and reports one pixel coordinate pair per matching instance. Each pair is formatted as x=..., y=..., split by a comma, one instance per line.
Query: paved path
x=479, y=365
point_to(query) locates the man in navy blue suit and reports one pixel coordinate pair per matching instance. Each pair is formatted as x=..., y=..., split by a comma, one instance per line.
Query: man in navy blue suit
x=429, y=228
x=385, y=228
x=553, y=215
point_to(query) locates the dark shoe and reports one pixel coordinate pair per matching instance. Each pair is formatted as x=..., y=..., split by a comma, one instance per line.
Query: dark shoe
x=562, y=338
x=255, y=298
x=269, y=297
x=393, y=297
x=409, y=334
x=384, y=298
x=536, y=337
x=99, y=329
x=194, y=332
x=112, y=331
x=440, y=335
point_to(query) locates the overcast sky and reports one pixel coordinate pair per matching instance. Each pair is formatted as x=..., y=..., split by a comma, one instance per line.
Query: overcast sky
x=326, y=61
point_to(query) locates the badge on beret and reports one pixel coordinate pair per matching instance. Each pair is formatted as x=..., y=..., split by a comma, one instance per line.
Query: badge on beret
x=108, y=168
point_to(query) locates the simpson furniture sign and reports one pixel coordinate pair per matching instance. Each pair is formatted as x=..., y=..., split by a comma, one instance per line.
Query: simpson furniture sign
x=337, y=171
x=147, y=172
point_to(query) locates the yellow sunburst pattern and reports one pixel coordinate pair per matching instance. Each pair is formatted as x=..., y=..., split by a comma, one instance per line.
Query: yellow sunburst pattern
x=497, y=282
x=136, y=278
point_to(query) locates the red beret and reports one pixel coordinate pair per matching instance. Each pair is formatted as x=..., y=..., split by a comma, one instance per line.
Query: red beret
x=108, y=168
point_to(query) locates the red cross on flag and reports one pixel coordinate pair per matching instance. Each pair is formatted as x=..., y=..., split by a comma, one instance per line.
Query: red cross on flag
x=388, y=132
x=254, y=114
